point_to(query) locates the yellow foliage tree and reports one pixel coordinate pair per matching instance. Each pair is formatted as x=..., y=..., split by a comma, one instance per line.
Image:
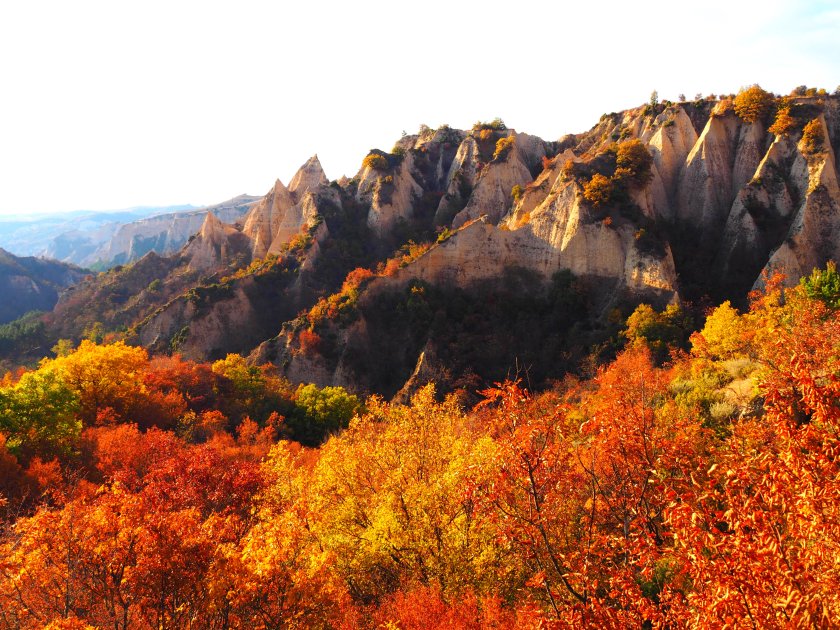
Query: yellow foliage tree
x=390, y=502
x=784, y=122
x=503, y=147
x=634, y=160
x=753, y=104
x=722, y=336
x=101, y=376
x=376, y=161
x=813, y=137
x=598, y=191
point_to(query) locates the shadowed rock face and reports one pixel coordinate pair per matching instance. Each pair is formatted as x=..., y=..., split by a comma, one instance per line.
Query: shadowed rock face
x=32, y=284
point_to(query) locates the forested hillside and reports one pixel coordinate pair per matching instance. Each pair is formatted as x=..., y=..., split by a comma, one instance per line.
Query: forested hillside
x=670, y=489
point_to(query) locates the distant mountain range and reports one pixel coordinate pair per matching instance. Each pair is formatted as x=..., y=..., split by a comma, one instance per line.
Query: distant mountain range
x=103, y=239
x=25, y=235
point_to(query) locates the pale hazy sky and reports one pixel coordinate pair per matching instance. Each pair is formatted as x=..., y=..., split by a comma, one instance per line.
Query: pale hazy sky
x=114, y=104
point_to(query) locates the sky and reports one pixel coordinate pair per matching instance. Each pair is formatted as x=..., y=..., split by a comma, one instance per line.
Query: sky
x=107, y=105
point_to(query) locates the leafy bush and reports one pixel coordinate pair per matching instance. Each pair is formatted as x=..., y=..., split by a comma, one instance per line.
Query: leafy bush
x=568, y=172
x=599, y=190
x=634, y=156
x=444, y=235
x=784, y=122
x=496, y=124
x=813, y=137
x=753, y=104
x=516, y=192
x=321, y=412
x=722, y=108
x=823, y=285
x=660, y=332
x=722, y=337
x=309, y=342
x=503, y=148
x=300, y=242
x=376, y=161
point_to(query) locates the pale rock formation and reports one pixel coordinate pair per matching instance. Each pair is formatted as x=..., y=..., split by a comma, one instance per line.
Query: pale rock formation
x=534, y=194
x=762, y=213
x=705, y=188
x=260, y=224
x=670, y=146
x=216, y=245
x=391, y=200
x=285, y=212
x=480, y=251
x=295, y=220
x=461, y=180
x=309, y=178
x=447, y=141
x=204, y=332
x=814, y=235
x=491, y=194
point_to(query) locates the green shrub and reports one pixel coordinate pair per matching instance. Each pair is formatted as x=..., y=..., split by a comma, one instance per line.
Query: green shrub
x=823, y=285
x=321, y=412
x=659, y=331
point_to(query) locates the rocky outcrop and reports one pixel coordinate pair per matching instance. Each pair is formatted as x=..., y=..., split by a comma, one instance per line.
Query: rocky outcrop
x=391, y=193
x=217, y=246
x=309, y=177
x=285, y=212
x=814, y=234
x=262, y=221
x=479, y=251
x=493, y=184
x=670, y=146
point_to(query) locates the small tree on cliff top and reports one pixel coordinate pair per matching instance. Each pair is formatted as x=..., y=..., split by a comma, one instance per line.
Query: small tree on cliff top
x=753, y=104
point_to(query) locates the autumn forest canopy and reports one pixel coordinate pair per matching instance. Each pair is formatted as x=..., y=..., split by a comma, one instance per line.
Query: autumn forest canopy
x=673, y=488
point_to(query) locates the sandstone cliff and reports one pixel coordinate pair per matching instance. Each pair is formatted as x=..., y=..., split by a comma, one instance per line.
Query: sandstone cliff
x=708, y=202
x=285, y=212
